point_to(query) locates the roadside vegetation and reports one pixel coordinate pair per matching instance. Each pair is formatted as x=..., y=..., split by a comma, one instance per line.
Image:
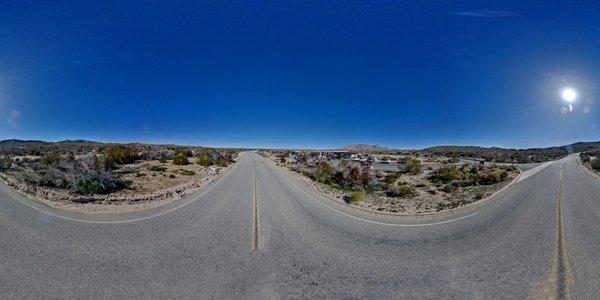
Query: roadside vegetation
x=398, y=183
x=85, y=169
x=591, y=160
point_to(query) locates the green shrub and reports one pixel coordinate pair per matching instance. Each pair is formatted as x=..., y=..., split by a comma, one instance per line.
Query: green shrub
x=119, y=155
x=356, y=197
x=324, y=173
x=401, y=190
x=491, y=176
x=157, y=169
x=50, y=158
x=596, y=164
x=204, y=157
x=390, y=178
x=96, y=186
x=204, y=161
x=187, y=172
x=5, y=163
x=180, y=159
x=413, y=166
x=447, y=173
x=162, y=160
x=185, y=151
x=222, y=162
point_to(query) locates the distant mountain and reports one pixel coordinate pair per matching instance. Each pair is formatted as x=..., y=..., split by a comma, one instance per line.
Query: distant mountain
x=364, y=148
x=21, y=143
x=30, y=143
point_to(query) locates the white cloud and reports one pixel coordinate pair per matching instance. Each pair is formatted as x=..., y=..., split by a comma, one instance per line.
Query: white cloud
x=13, y=118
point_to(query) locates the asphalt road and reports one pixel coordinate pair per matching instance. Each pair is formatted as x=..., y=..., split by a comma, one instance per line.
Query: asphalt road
x=257, y=233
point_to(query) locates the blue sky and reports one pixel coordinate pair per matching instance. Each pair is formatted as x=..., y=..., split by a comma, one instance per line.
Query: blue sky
x=406, y=74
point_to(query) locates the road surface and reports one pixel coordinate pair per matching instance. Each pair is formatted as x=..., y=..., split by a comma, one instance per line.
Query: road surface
x=257, y=233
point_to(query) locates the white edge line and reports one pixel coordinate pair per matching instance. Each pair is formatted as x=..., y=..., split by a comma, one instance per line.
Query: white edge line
x=129, y=220
x=376, y=222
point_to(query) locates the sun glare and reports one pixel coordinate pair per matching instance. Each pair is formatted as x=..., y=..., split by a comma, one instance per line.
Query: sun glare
x=569, y=94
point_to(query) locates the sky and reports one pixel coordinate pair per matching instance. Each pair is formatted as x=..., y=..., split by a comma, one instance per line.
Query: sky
x=301, y=74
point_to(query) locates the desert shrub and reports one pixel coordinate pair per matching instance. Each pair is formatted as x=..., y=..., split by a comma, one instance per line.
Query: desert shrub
x=390, y=178
x=204, y=161
x=184, y=151
x=5, y=163
x=356, y=197
x=101, y=185
x=413, y=166
x=446, y=173
x=187, y=172
x=479, y=195
x=324, y=173
x=204, y=157
x=222, y=162
x=180, y=159
x=596, y=164
x=50, y=158
x=491, y=176
x=401, y=190
x=157, y=169
x=172, y=176
x=119, y=155
x=282, y=160
x=162, y=160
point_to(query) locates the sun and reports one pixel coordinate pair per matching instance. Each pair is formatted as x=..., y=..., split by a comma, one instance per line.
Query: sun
x=569, y=94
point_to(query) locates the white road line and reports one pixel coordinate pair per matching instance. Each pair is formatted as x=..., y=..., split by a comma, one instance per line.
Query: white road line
x=376, y=222
x=129, y=220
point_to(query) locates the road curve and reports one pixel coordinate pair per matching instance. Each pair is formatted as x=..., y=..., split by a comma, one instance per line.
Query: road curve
x=257, y=233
